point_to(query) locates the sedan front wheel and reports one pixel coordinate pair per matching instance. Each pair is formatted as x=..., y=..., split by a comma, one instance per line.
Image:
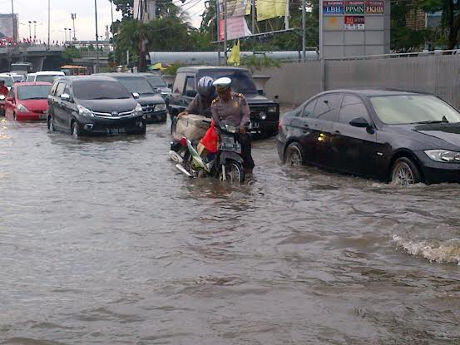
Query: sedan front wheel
x=405, y=172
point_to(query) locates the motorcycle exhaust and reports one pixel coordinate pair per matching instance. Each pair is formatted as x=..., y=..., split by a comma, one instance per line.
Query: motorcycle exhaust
x=182, y=169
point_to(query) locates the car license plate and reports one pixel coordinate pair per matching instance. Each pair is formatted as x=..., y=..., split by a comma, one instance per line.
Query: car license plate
x=115, y=131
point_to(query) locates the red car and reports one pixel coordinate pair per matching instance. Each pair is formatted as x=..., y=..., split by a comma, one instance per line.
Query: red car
x=28, y=101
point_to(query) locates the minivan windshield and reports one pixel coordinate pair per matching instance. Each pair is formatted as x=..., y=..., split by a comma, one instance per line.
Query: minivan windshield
x=33, y=92
x=413, y=109
x=155, y=81
x=99, y=89
x=242, y=81
x=136, y=84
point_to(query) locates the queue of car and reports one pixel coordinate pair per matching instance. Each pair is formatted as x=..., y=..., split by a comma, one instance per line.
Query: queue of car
x=394, y=136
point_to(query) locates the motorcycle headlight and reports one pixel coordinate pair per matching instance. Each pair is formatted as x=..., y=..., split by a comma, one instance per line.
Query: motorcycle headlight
x=22, y=108
x=84, y=111
x=160, y=107
x=263, y=115
x=445, y=156
x=138, y=110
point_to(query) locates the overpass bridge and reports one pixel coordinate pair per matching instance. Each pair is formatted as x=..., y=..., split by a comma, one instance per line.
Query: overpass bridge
x=38, y=55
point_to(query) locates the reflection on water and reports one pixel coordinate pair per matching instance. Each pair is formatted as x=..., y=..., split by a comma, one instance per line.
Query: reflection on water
x=103, y=241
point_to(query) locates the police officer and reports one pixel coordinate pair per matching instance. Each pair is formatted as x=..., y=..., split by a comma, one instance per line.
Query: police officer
x=233, y=108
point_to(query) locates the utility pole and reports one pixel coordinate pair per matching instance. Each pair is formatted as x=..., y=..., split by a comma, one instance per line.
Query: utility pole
x=303, y=31
x=111, y=16
x=74, y=16
x=49, y=21
x=97, y=37
x=225, y=30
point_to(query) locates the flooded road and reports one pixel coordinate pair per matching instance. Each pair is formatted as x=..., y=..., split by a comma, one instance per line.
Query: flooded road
x=103, y=241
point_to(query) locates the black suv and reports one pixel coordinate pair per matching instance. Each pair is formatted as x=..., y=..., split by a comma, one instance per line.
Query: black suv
x=93, y=105
x=264, y=112
x=152, y=103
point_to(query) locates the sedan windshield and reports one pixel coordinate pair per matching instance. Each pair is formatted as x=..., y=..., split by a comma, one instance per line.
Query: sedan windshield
x=33, y=92
x=155, y=81
x=241, y=80
x=48, y=78
x=99, y=89
x=136, y=84
x=411, y=109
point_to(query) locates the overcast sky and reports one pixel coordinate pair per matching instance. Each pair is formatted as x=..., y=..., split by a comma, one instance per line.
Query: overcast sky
x=30, y=10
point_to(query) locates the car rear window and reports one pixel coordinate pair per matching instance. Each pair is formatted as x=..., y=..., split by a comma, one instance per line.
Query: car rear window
x=47, y=78
x=33, y=92
x=136, y=84
x=99, y=89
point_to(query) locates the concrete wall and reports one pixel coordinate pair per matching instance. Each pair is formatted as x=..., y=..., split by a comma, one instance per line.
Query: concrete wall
x=437, y=74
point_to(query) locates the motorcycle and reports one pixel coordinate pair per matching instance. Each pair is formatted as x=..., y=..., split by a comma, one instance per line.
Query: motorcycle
x=226, y=164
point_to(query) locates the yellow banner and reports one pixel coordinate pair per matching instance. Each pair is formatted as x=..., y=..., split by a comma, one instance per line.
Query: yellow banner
x=267, y=9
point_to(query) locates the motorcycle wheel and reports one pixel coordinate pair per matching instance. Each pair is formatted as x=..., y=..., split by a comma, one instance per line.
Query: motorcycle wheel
x=234, y=172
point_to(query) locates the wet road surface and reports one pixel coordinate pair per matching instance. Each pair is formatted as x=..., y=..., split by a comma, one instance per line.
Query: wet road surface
x=103, y=241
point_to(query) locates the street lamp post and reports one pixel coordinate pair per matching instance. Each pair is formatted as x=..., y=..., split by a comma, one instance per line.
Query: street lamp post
x=97, y=37
x=30, y=30
x=35, y=30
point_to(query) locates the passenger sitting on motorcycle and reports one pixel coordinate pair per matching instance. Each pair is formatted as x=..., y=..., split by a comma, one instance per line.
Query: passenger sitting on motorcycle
x=233, y=108
x=201, y=104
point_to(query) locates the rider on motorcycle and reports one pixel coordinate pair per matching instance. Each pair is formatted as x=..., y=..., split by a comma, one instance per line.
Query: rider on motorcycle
x=232, y=107
x=201, y=104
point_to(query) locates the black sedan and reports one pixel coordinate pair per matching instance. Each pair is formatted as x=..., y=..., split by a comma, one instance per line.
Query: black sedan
x=402, y=137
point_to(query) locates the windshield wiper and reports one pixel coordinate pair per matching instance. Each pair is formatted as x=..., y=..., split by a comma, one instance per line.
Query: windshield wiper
x=429, y=122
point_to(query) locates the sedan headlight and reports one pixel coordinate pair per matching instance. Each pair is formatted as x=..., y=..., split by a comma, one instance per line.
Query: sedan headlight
x=22, y=108
x=445, y=156
x=160, y=107
x=84, y=111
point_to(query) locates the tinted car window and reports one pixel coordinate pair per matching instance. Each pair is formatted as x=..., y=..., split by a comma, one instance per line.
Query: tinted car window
x=241, y=80
x=60, y=89
x=179, y=83
x=47, y=78
x=99, y=89
x=326, y=107
x=33, y=92
x=309, y=108
x=136, y=84
x=156, y=81
x=352, y=111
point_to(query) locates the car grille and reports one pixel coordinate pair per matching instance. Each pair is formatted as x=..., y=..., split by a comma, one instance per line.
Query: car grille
x=111, y=115
x=148, y=108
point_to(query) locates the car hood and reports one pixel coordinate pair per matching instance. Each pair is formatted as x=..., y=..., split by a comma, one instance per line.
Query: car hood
x=109, y=105
x=448, y=132
x=258, y=99
x=35, y=105
x=149, y=99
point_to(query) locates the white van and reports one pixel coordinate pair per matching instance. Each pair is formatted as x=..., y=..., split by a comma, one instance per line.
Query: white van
x=47, y=76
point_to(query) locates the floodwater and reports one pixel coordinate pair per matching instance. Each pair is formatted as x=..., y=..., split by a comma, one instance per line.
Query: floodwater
x=103, y=241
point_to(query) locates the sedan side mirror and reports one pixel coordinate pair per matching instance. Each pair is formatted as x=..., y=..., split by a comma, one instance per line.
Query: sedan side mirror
x=136, y=95
x=360, y=122
x=65, y=97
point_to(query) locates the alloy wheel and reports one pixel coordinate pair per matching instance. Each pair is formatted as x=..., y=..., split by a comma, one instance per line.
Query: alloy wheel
x=403, y=175
x=294, y=157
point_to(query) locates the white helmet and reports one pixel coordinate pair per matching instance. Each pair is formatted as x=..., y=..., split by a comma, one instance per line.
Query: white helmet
x=205, y=86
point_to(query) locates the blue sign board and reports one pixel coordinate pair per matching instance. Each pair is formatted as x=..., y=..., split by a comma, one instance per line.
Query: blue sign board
x=332, y=7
